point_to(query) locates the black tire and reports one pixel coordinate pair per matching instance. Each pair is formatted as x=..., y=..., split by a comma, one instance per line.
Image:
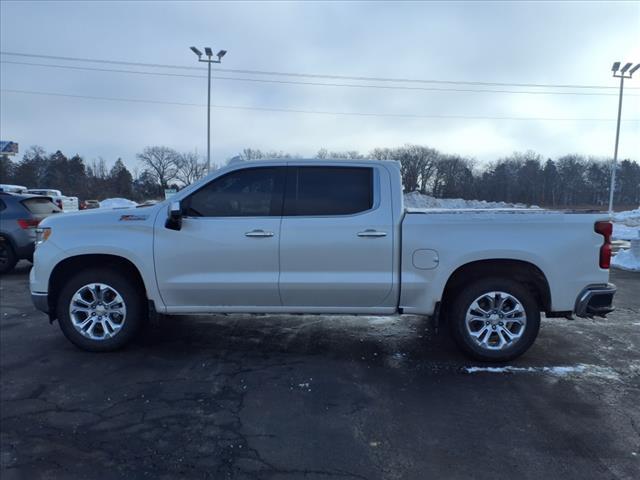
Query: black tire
x=463, y=301
x=8, y=257
x=134, y=299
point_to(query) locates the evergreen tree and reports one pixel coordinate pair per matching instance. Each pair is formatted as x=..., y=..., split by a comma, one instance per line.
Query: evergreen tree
x=30, y=171
x=550, y=184
x=120, y=181
x=7, y=169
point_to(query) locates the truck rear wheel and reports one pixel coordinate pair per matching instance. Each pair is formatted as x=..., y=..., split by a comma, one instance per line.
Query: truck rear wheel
x=101, y=310
x=494, y=319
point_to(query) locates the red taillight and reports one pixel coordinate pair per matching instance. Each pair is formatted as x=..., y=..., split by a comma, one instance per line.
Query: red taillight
x=605, y=229
x=28, y=223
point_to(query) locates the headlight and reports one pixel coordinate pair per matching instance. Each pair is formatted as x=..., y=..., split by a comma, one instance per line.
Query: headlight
x=42, y=234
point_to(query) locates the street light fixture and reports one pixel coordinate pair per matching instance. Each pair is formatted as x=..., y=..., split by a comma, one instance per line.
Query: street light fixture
x=209, y=53
x=621, y=74
x=626, y=67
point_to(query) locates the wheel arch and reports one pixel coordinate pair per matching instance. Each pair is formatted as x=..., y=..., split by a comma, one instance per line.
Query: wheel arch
x=519, y=270
x=70, y=265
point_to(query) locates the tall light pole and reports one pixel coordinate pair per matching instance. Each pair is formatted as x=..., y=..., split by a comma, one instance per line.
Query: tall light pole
x=620, y=73
x=209, y=53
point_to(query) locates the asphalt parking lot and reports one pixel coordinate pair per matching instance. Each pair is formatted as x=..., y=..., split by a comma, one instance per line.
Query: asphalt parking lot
x=316, y=397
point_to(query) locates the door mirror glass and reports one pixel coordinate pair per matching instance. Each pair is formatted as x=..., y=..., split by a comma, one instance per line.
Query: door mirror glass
x=174, y=216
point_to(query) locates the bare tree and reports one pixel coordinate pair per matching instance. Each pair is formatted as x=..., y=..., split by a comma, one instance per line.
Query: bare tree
x=160, y=163
x=274, y=154
x=323, y=153
x=251, y=154
x=189, y=168
x=98, y=168
x=257, y=154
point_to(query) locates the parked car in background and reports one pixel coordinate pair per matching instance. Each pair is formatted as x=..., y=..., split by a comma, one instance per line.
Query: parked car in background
x=89, y=204
x=66, y=204
x=323, y=237
x=12, y=188
x=19, y=217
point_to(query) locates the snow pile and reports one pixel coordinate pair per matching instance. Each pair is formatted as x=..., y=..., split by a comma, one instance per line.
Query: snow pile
x=624, y=232
x=419, y=200
x=626, y=225
x=117, y=203
x=630, y=217
x=626, y=260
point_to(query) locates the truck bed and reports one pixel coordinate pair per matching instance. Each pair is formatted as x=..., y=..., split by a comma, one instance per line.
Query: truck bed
x=435, y=242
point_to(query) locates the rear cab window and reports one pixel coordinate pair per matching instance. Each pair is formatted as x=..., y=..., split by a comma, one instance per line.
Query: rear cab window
x=50, y=193
x=328, y=190
x=40, y=206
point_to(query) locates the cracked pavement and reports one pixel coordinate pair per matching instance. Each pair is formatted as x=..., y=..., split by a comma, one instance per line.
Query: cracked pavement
x=314, y=397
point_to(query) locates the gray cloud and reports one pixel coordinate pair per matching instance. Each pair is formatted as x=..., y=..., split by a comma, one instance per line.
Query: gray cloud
x=571, y=42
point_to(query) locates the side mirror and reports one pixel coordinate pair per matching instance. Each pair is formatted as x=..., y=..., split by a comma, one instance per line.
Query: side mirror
x=174, y=216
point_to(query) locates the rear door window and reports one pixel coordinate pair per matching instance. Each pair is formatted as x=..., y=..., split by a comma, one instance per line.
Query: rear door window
x=313, y=191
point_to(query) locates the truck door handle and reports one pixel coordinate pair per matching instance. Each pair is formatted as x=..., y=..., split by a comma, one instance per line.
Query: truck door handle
x=258, y=233
x=372, y=233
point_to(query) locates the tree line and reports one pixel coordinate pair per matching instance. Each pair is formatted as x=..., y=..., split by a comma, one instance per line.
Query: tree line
x=158, y=168
x=568, y=181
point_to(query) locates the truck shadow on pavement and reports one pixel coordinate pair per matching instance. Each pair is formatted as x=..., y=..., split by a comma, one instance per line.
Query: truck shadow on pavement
x=383, y=341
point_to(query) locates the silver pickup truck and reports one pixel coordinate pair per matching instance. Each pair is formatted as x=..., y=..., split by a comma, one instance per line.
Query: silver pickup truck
x=325, y=237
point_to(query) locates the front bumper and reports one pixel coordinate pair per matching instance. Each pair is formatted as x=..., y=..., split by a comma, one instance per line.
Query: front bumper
x=595, y=300
x=40, y=301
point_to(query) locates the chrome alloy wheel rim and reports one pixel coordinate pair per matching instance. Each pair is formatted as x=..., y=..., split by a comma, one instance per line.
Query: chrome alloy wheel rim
x=97, y=311
x=496, y=320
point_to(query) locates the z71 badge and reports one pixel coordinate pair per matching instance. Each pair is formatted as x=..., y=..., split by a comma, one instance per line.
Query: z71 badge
x=133, y=218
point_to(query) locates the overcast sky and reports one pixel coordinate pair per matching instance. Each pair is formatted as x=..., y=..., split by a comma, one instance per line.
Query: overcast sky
x=541, y=43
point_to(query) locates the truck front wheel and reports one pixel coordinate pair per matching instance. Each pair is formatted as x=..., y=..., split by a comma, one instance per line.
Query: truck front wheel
x=494, y=319
x=100, y=310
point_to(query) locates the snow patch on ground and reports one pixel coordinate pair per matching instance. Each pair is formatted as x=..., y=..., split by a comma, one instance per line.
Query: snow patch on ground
x=419, y=200
x=381, y=320
x=117, y=203
x=559, y=371
x=396, y=360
